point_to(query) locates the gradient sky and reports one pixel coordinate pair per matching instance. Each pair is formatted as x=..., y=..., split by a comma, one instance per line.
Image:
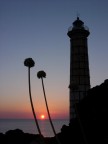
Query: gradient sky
x=38, y=29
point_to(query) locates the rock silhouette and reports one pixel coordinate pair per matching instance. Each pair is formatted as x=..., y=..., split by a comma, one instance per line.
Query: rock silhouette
x=93, y=124
x=17, y=136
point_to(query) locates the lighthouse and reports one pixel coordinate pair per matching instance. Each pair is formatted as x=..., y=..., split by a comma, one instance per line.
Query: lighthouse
x=79, y=64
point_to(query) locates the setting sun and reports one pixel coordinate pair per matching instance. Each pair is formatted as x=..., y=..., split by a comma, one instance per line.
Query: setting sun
x=42, y=116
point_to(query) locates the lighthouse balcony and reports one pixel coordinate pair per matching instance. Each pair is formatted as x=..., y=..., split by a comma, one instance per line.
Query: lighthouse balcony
x=79, y=28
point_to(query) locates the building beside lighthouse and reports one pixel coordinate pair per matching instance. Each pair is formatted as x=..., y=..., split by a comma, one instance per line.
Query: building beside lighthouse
x=79, y=64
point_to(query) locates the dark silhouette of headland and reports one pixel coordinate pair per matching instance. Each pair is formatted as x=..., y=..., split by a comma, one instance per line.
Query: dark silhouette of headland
x=91, y=124
x=89, y=127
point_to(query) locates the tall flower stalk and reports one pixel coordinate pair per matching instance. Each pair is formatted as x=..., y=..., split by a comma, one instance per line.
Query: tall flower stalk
x=42, y=74
x=30, y=63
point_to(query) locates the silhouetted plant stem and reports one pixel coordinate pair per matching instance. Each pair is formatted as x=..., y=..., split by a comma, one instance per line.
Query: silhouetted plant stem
x=49, y=112
x=30, y=63
x=47, y=107
x=36, y=121
x=32, y=102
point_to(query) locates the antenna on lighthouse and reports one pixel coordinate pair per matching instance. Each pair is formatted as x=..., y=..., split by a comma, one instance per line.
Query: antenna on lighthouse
x=78, y=15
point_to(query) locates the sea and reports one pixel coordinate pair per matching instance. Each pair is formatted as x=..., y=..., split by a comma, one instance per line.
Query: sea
x=29, y=126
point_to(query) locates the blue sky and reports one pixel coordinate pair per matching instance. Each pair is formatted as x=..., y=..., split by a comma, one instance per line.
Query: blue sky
x=38, y=29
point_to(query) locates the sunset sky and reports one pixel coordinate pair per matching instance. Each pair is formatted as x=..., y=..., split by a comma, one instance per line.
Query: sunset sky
x=38, y=29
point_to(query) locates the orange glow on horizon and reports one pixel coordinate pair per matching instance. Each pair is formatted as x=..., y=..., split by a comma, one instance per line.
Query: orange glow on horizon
x=20, y=115
x=25, y=111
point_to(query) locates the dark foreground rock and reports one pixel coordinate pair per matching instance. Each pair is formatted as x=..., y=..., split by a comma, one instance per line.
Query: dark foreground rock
x=17, y=136
x=90, y=126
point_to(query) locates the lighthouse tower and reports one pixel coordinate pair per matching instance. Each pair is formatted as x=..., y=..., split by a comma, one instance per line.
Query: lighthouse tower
x=79, y=64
